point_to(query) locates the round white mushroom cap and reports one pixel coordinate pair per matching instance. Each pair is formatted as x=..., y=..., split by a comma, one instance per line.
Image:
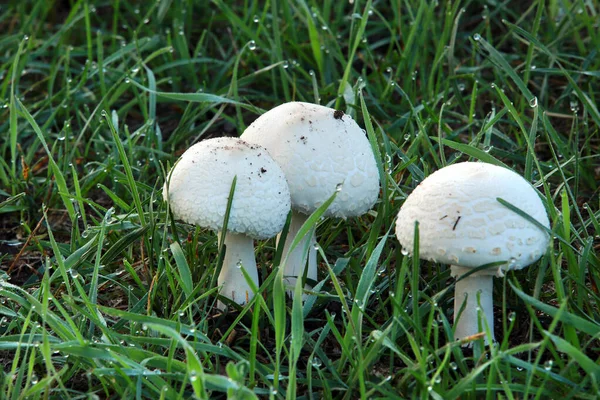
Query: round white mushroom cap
x=200, y=183
x=462, y=223
x=318, y=149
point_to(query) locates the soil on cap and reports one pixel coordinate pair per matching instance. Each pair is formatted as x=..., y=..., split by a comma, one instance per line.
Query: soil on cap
x=338, y=114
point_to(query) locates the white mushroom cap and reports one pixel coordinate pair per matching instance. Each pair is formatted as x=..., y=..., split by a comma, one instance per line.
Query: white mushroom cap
x=319, y=148
x=200, y=183
x=461, y=222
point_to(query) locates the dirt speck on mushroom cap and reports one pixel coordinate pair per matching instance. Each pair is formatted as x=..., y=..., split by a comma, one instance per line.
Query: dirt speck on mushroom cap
x=461, y=221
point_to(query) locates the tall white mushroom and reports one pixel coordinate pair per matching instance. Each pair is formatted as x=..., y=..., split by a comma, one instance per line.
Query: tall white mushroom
x=462, y=223
x=320, y=150
x=199, y=187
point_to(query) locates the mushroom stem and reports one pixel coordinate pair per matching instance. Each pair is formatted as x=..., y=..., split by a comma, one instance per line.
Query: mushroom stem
x=467, y=290
x=239, y=252
x=296, y=260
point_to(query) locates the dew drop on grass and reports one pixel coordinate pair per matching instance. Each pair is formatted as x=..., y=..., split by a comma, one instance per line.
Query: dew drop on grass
x=512, y=316
x=548, y=365
x=487, y=149
x=404, y=251
x=34, y=379
x=256, y=19
x=62, y=136
x=338, y=187
x=533, y=103
x=316, y=247
x=252, y=45
x=477, y=37
x=453, y=366
x=316, y=362
x=574, y=106
x=285, y=64
x=238, y=264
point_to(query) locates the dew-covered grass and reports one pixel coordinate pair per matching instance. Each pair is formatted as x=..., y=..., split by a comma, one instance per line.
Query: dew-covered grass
x=103, y=295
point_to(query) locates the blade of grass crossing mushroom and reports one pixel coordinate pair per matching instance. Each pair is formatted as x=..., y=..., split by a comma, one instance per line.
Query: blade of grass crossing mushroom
x=279, y=309
x=221, y=255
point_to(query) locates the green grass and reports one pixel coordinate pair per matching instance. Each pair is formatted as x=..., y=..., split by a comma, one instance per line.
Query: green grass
x=102, y=293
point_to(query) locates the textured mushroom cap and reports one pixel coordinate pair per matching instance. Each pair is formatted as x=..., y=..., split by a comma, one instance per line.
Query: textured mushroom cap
x=319, y=148
x=200, y=183
x=461, y=222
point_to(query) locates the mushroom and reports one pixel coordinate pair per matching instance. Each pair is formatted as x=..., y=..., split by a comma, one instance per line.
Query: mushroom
x=462, y=223
x=199, y=187
x=321, y=151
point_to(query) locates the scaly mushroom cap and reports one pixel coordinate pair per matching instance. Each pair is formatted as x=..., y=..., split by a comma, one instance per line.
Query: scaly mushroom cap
x=200, y=183
x=318, y=149
x=461, y=222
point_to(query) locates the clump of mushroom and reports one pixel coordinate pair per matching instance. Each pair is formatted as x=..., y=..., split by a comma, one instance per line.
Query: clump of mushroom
x=198, y=191
x=462, y=223
x=321, y=151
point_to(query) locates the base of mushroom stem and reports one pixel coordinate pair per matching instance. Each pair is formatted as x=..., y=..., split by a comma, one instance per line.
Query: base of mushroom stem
x=468, y=289
x=290, y=286
x=224, y=307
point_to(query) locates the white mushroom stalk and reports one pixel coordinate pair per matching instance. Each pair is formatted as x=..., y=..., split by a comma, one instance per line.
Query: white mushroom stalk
x=475, y=294
x=318, y=148
x=198, y=193
x=462, y=223
x=297, y=259
x=239, y=254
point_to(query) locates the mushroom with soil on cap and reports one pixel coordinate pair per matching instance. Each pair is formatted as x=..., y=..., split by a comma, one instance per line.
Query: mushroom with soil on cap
x=321, y=151
x=462, y=223
x=198, y=193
